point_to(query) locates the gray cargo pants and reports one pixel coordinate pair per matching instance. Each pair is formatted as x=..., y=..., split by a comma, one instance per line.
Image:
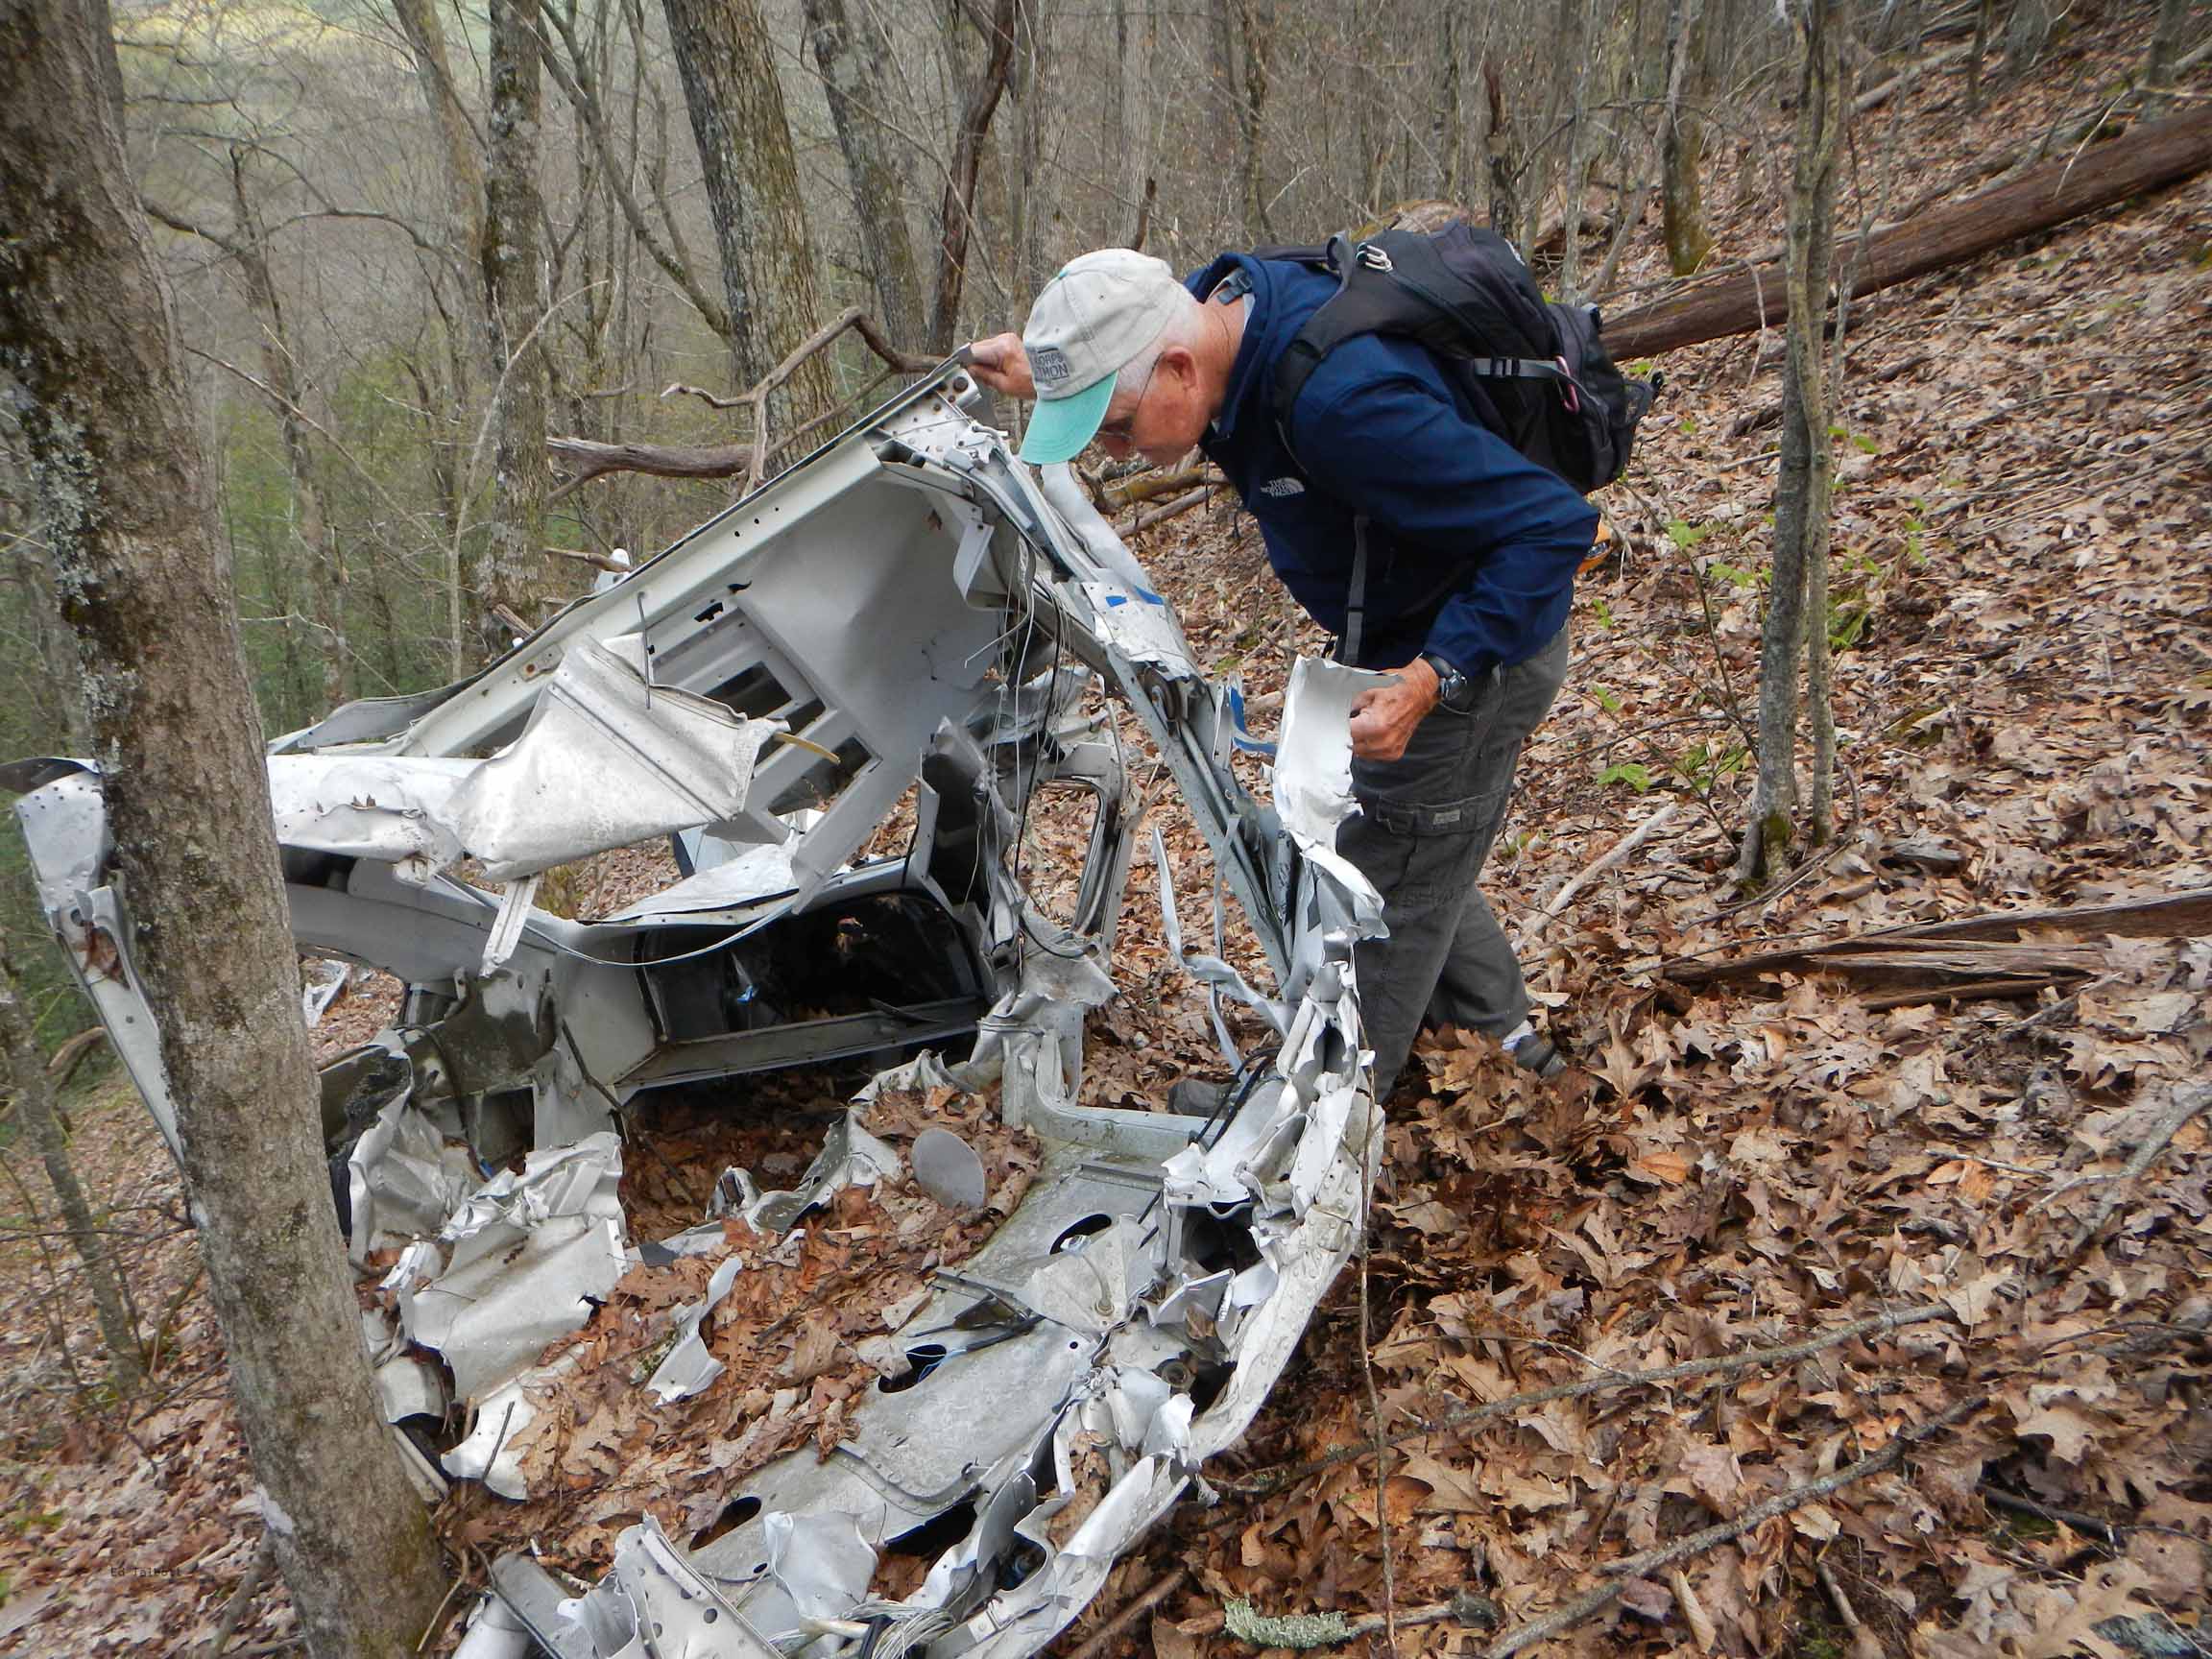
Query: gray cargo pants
x=1426, y=824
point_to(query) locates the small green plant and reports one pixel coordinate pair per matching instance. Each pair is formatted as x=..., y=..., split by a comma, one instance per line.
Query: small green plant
x=1633, y=772
x=1685, y=534
x=1704, y=764
x=1603, y=614
x=1735, y=575
x=1688, y=426
x=1607, y=700
x=1848, y=615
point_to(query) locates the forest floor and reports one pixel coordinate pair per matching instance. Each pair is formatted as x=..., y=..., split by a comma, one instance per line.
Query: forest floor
x=2015, y=1186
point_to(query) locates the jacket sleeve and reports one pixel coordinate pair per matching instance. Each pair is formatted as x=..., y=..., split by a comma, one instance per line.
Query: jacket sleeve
x=1452, y=492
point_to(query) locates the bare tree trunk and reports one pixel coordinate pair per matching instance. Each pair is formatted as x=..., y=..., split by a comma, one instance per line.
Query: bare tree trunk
x=1975, y=52
x=86, y=333
x=737, y=117
x=955, y=219
x=1578, y=161
x=1501, y=161
x=514, y=575
x=1799, y=583
x=857, y=82
x=2165, y=51
x=1256, y=25
x=25, y=1071
x=247, y=246
x=1682, y=144
x=2025, y=34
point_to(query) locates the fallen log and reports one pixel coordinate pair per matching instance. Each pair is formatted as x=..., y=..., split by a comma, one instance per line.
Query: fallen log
x=2144, y=158
x=1985, y=946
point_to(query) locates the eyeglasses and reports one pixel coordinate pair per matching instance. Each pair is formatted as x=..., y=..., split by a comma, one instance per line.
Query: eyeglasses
x=1123, y=430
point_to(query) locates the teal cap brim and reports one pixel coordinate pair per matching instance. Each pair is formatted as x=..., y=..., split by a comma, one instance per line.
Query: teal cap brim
x=1062, y=425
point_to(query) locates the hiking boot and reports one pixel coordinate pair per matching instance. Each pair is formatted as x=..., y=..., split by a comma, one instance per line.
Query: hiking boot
x=1538, y=1054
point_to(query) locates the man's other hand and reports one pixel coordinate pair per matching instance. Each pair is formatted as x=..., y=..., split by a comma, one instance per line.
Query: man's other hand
x=1001, y=364
x=1383, y=716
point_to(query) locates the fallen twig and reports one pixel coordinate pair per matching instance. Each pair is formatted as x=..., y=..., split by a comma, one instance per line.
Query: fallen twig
x=2187, y=1103
x=1110, y=1631
x=242, y=1597
x=1145, y=519
x=1266, y=1482
x=2105, y=1531
x=1615, y=857
x=1864, y=1643
x=1619, y=1572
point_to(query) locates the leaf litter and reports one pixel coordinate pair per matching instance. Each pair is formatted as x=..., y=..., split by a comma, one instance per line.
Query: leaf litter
x=2023, y=684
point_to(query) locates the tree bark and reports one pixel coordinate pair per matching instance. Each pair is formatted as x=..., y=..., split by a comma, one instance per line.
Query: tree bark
x=2165, y=52
x=512, y=575
x=86, y=334
x=1797, y=594
x=2145, y=158
x=1256, y=24
x=1502, y=160
x=1682, y=144
x=857, y=80
x=957, y=215
x=736, y=110
x=34, y=1091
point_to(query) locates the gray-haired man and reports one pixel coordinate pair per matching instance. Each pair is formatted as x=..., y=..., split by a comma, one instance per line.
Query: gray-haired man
x=1472, y=555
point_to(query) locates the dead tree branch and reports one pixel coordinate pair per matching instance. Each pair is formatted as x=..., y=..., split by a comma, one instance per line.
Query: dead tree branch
x=2150, y=155
x=2187, y=1103
x=585, y=459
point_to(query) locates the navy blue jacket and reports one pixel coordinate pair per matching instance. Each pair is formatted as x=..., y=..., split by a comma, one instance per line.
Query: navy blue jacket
x=1472, y=547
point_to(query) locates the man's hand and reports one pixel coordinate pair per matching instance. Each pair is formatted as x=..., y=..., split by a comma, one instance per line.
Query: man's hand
x=1001, y=364
x=1383, y=716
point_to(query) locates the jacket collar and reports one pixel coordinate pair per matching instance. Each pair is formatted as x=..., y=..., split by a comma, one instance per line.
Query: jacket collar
x=1247, y=379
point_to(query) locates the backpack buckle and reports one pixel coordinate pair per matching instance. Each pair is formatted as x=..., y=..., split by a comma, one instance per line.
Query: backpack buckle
x=1373, y=257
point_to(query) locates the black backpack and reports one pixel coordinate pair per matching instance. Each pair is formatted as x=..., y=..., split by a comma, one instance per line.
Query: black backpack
x=1535, y=372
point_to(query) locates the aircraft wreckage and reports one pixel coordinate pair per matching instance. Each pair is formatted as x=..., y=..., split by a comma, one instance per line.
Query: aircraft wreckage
x=908, y=609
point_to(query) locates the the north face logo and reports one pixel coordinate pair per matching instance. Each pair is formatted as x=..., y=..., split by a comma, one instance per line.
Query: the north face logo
x=1283, y=487
x=1049, y=364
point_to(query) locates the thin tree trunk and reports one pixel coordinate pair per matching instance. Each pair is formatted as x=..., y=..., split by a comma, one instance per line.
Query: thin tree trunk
x=1501, y=161
x=1577, y=162
x=24, y=1069
x=1975, y=52
x=86, y=333
x=2165, y=51
x=857, y=80
x=1682, y=144
x=1256, y=24
x=513, y=574
x=1448, y=136
x=956, y=214
x=768, y=273
x=1803, y=478
x=247, y=244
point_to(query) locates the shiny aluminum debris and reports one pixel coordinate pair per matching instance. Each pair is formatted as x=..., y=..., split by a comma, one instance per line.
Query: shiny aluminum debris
x=907, y=608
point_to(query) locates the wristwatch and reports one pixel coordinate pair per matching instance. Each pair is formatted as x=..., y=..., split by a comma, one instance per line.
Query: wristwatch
x=1454, y=689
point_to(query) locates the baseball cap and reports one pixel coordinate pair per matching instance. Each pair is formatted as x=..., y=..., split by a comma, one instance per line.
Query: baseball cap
x=1093, y=319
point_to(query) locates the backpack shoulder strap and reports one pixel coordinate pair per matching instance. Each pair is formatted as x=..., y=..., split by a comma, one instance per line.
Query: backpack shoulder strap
x=1365, y=302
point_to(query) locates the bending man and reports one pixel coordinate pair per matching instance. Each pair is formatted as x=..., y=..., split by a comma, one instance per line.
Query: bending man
x=1470, y=557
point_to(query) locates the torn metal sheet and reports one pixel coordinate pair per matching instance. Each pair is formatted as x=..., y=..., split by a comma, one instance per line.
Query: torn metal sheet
x=850, y=1157
x=689, y=1369
x=528, y=1257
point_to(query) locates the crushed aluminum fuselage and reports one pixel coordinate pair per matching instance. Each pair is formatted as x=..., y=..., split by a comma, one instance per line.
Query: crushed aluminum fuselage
x=907, y=609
